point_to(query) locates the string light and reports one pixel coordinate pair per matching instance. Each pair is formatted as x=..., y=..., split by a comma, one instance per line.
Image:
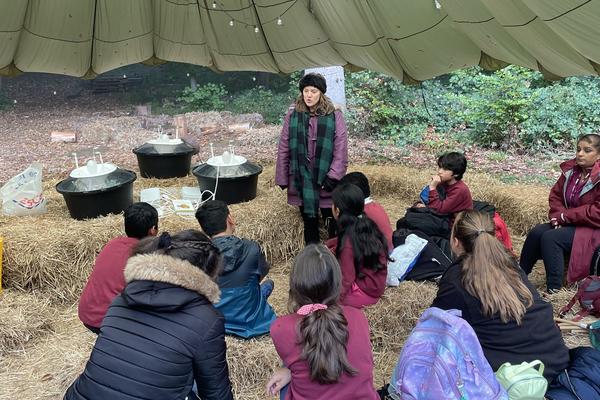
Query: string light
x=214, y=5
x=188, y=74
x=437, y=4
x=124, y=76
x=253, y=78
x=54, y=93
x=279, y=21
x=256, y=29
x=230, y=22
x=15, y=101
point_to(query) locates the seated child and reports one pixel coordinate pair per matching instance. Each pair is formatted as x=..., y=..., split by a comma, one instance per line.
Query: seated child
x=106, y=280
x=511, y=321
x=360, y=248
x=447, y=193
x=373, y=209
x=243, y=298
x=325, y=347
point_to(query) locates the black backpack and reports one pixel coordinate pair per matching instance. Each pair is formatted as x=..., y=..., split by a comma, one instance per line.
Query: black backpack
x=425, y=220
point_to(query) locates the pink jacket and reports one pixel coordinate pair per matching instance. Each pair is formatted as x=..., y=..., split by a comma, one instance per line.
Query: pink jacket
x=338, y=166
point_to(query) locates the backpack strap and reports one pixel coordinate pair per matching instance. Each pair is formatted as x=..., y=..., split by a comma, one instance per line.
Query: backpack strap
x=563, y=311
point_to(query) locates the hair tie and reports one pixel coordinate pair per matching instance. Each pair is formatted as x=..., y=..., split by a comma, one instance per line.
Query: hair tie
x=480, y=231
x=310, y=308
x=164, y=240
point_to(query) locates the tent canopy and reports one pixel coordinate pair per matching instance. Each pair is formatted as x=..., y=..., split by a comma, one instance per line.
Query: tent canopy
x=411, y=40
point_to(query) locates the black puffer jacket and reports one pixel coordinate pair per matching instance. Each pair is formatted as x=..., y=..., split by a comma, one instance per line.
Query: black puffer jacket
x=158, y=337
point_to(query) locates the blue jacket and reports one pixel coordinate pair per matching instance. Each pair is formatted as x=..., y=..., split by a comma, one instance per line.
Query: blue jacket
x=159, y=336
x=247, y=313
x=583, y=379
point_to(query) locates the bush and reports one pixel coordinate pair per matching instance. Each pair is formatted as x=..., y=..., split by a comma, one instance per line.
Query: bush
x=382, y=107
x=562, y=112
x=272, y=106
x=209, y=97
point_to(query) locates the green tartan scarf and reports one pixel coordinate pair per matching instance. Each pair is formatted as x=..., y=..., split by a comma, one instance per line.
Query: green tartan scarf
x=306, y=180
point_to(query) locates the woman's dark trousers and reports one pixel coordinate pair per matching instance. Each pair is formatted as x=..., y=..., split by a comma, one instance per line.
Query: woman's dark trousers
x=551, y=245
x=311, y=225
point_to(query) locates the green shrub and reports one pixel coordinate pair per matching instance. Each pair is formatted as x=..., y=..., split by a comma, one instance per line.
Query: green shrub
x=209, y=97
x=272, y=106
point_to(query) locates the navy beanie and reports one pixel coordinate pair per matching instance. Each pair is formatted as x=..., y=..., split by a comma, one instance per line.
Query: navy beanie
x=314, y=80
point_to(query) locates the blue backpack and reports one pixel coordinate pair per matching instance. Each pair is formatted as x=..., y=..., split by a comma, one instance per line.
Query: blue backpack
x=442, y=359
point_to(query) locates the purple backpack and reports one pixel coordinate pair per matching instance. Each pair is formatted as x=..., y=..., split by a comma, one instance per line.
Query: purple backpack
x=442, y=359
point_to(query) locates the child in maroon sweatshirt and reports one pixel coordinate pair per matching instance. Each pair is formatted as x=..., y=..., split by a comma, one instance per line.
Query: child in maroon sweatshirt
x=447, y=193
x=360, y=248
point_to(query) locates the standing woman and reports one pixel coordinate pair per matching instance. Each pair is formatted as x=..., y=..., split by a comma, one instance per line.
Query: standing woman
x=574, y=219
x=312, y=155
x=162, y=334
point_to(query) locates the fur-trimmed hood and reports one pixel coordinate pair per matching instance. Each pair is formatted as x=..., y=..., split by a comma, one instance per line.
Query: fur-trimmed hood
x=167, y=269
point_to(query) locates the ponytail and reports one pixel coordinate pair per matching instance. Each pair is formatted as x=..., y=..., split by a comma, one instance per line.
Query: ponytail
x=324, y=335
x=315, y=285
x=367, y=241
x=489, y=271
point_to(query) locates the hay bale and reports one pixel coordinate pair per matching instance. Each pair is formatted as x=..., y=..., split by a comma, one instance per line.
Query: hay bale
x=25, y=317
x=251, y=363
x=55, y=253
x=521, y=206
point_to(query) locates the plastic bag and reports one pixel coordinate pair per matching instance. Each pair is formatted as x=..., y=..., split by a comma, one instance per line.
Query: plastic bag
x=23, y=194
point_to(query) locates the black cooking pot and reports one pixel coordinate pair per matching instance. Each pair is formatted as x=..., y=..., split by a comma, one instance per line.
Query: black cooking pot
x=112, y=199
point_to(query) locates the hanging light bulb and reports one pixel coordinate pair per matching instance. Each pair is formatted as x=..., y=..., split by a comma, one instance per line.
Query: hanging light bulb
x=15, y=101
x=54, y=93
x=256, y=29
x=231, y=22
x=437, y=4
x=214, y=5
x=253, y=78
x=188, y=74
x=124, y=76
x=279, y=21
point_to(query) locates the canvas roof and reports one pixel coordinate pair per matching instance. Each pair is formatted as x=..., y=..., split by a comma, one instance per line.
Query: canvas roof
x=412, y=40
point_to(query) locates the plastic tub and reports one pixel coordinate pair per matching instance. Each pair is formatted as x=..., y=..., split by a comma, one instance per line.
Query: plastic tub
x=236, y=184
x=113, y=199
x=156, y=163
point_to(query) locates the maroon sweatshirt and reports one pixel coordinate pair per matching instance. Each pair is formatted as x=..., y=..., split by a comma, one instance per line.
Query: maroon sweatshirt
x=106, y=281
x=458, y=198
x=372, y=282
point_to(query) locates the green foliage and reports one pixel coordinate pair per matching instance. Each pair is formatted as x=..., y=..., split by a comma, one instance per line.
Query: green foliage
x=205, y=98
x=493, y=106
x=512, y=107
x=382, y=107
x=563, y=112
x=271, y=105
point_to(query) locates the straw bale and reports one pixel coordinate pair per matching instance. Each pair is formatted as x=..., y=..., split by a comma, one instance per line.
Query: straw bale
x=521, y=206
x=55, y=253
x=25, y=317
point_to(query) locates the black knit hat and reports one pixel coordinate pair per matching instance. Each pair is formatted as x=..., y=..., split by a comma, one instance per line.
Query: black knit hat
x=314, y=80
